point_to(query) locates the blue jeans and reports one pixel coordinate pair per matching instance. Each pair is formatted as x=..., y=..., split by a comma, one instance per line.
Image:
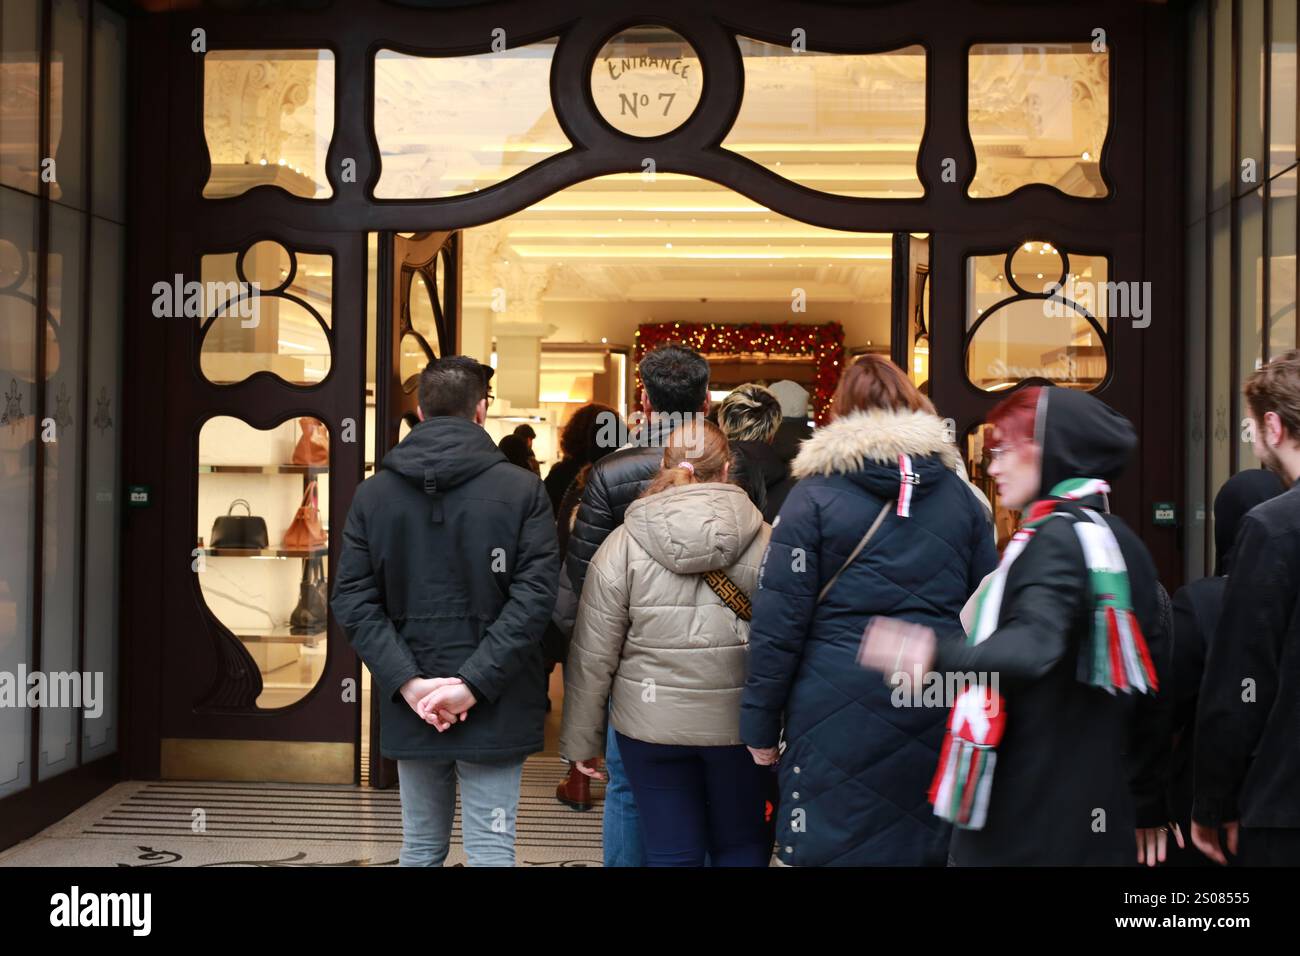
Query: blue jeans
x=621, y=823
x=489, y=801
x=700, y=805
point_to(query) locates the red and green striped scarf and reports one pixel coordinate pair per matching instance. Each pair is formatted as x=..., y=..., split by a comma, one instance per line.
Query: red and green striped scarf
x=1114, y=656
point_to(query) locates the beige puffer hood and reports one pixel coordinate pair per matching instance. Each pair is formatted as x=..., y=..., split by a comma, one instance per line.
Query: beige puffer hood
x=694, y=528
x=652, y=636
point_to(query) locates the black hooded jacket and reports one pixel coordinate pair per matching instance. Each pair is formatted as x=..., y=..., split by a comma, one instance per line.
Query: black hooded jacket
x=1197, y=609
x=1247, y=759
x=763, y=474
x=449, y=567
x=1061, y=792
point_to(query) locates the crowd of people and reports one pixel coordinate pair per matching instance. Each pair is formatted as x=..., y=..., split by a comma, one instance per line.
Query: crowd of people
x=802, y=647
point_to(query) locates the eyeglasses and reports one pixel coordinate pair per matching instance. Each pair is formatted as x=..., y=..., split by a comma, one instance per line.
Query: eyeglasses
x=997, y=452
x=490, y=397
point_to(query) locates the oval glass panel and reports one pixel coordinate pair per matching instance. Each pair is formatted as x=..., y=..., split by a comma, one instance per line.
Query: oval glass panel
x=271, y=599
x=423, y=318
x=411, y=361
x=265, y=332
x=647, y=81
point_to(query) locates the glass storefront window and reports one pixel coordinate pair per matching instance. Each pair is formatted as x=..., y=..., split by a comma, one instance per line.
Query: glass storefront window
x=1281, y=264
x=1249, y=210
x=67, y=101
x=18, y=219
x=842, y=123
x=60, y=434
x=268, y=117
x=103, y=497
x=1282, y=87
x=271, y=599
x=1038, y=113
x=453, y=125
x=20, y=100
x=646, y=81
x=281, y=330
x=1252, y=155
x=1044, y=321
x=108, y=114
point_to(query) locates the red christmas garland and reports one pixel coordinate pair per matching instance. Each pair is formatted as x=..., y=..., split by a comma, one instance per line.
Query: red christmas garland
x=825, y=343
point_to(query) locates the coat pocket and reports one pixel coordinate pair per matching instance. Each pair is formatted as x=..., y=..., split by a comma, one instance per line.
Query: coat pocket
x=442, y=642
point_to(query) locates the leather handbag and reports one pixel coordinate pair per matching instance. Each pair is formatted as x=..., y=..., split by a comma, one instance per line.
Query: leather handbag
x=309, y=616
x=246, y=531
x=313, y=446
x=305, y=532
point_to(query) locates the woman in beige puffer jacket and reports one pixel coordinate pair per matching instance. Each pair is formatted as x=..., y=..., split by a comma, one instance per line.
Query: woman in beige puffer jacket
x=658, y=647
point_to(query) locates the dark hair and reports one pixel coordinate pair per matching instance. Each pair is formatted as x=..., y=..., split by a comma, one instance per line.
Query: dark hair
x=1013, y=419
x=453, y=386
x=873, y=381
x=1275, y=387
x=515, y=448
x=525, y=431
x=578, y=440
x=676, y=377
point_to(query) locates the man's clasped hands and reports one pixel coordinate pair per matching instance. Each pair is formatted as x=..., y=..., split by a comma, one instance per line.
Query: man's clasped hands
x=440, y=701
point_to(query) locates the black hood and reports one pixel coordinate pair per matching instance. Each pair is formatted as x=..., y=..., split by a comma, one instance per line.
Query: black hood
x=763, y=457
x=1081, y=437
x=1239, y=494
x=441, y=453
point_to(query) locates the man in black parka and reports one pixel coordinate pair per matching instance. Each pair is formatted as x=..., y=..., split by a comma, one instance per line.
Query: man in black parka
x=446, y=580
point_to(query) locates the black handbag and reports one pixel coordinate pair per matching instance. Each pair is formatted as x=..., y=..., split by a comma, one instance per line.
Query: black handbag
x=309, y=616
x=247, y=532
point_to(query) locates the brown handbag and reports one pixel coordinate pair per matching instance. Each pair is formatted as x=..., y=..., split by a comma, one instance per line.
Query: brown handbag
x=305, y=532
x=313, y=446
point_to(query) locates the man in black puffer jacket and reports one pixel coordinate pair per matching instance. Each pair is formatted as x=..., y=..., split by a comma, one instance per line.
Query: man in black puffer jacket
x=676, y=385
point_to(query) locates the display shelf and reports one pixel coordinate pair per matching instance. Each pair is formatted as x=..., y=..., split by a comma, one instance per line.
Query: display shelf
x=312, y=470
x=320, y=552
x=278, y=635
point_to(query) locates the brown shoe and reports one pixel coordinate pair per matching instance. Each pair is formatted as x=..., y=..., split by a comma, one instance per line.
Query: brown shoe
x=575, y=790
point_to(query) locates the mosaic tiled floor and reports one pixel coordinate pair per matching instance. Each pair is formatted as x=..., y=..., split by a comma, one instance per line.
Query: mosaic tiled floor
x=249, y=824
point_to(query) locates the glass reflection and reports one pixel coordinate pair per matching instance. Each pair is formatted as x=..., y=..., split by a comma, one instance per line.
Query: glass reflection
x=268, y=116
x=842, y=123
x=453, y=125
x=1038, y=113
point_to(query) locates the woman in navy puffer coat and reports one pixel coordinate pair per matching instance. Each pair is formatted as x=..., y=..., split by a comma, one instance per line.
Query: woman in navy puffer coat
x=859, y=756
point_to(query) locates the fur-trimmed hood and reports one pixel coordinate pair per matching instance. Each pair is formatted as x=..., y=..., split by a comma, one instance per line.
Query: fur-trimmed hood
x=866, y=446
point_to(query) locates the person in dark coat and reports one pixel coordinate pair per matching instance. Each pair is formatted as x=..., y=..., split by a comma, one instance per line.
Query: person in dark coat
x=1197, y=607
x=515, y=448
x=794, y=429
x=749, y=416
x=676, y=385
x=1063, y=630
x=579, y=447
x=445, y=582
x=854, y=771
x=1247, y=763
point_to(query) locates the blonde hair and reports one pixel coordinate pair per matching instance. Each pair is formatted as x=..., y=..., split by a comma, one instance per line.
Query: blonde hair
x=750, y=413
x=696, y=451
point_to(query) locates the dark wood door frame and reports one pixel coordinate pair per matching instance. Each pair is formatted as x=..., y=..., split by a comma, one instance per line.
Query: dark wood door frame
x=166, y=399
